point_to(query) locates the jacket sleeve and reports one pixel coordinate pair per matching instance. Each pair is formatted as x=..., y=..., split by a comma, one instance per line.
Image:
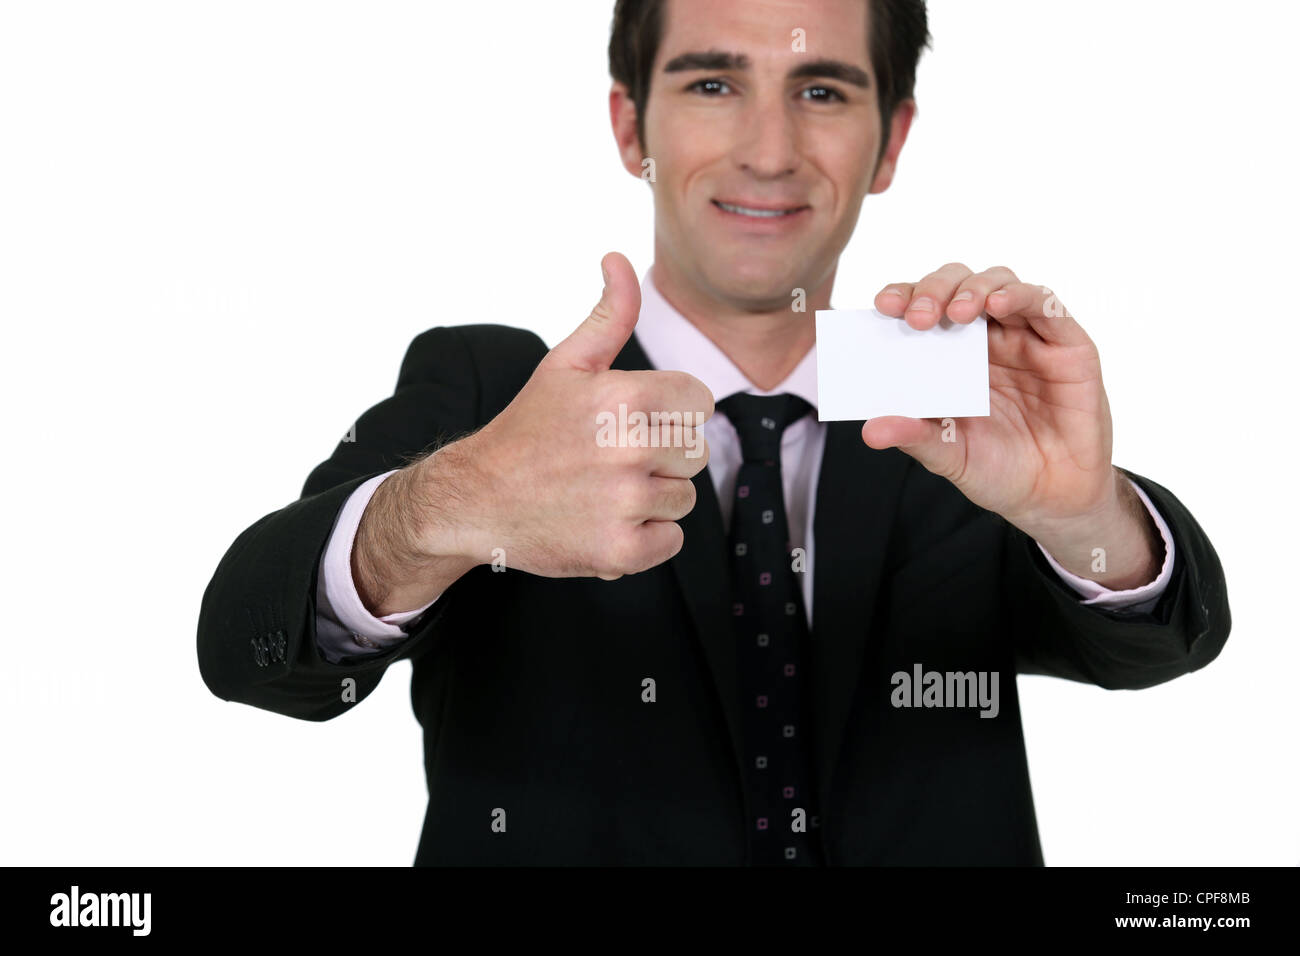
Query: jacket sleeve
x=256, y=631
x=1054, y=633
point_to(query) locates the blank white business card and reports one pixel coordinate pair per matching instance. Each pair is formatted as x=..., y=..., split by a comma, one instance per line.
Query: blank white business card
x=870, y=364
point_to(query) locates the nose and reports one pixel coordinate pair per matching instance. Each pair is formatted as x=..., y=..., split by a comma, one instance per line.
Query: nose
x=768, y=139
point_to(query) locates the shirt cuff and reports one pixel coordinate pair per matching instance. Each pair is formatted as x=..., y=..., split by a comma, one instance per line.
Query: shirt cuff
x=1133, y=599
x=337, y=595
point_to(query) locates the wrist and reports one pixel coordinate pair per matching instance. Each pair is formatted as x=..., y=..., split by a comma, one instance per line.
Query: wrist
x=404, y=555
x=1115, y=543
x=1067, y=531
x=442, y=497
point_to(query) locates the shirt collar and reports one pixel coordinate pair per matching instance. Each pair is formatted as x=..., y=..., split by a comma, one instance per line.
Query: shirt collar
x=671, y=341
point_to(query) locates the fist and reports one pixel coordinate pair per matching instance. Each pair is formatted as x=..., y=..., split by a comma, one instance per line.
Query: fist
x=588, y=470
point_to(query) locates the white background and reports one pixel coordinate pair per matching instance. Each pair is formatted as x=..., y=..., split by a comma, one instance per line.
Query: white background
x=222, y=223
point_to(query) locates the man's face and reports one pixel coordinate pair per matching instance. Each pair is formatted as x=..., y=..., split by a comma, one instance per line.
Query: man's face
x=763, y=152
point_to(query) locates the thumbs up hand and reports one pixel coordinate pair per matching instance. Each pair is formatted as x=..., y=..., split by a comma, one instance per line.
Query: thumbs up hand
x=545, y=483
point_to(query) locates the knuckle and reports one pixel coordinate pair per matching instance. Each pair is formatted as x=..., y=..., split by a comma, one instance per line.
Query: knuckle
x=676, y=381
x=705, y=401
x=647, y=499
x=639, y=393
x=627, y=493
x=609, y=386
x=623, y=552
x=700, y=462
x=667, y=541
x=676, y=539
x=605, y=564
x=684, y=498
x=602, y=311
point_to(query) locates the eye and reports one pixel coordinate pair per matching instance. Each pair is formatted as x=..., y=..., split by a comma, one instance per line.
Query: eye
x=710, y=87
x=823, y=94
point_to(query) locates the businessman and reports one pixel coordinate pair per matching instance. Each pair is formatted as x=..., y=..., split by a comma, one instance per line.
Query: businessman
x=657, y=612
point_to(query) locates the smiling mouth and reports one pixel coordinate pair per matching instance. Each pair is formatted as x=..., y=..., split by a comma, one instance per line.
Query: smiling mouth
x=758, y=212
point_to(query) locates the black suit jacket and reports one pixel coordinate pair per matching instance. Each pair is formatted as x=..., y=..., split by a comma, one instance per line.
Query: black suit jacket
x=529, y=689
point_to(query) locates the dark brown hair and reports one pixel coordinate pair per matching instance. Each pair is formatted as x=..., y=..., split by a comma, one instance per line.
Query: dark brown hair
x=899, y=31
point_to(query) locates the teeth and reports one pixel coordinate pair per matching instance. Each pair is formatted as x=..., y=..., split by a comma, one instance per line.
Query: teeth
x=757, y=213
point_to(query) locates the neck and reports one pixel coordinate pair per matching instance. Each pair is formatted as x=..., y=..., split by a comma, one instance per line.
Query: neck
x=765, y=345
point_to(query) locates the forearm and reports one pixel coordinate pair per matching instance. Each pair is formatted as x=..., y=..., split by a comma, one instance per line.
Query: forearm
x=410, y=544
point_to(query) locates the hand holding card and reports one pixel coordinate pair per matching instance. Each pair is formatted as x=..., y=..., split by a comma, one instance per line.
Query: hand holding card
x=988, y=382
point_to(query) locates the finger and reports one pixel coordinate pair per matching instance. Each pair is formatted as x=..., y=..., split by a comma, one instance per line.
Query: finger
x=931, y=296
x=892, y=300
x=667, y=499
x=671, y=451
x=671, y=391
x=923, y=439
x=685, y=455
x=1038, y=306
x=968, y=301
x=890, y=431
x=652, y=409
x=660, y=540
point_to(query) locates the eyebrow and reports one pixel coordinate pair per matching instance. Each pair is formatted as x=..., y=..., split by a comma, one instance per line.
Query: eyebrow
x=832, y=70
x=722, y=60
x=708, y=60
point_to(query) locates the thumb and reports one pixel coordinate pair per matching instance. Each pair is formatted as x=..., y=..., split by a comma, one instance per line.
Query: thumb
x=935, y=443
x=595, y=344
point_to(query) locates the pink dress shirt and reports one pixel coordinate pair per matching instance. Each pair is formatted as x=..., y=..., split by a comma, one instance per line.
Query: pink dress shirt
x=345, y=628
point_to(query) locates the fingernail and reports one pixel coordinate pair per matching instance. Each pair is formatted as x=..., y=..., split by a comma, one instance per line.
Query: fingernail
x=604, y=273
x=894, y=292
x=964, y=296
x=921, y=305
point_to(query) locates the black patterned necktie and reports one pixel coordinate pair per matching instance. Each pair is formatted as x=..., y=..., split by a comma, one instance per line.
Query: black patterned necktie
x=772, y=634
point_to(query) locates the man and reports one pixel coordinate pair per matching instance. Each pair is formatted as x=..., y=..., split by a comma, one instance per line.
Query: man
x=731, y=634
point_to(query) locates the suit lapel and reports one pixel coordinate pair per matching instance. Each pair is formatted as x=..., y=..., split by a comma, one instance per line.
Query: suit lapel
x=857, y=496
x=700, y=569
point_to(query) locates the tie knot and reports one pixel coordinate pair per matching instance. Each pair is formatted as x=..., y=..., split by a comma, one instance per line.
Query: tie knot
x=760, y=421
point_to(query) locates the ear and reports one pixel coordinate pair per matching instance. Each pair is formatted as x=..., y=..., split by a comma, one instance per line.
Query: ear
x=622, y=117
x=899, y=125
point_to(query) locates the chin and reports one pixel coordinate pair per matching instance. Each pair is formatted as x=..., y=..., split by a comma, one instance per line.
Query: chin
x=756, y=281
